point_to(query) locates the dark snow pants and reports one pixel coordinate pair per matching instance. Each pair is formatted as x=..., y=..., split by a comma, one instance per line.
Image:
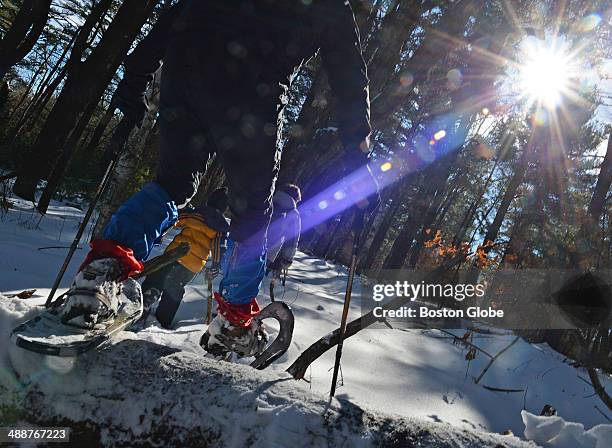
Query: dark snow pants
x=212, y=102
x=170, y=283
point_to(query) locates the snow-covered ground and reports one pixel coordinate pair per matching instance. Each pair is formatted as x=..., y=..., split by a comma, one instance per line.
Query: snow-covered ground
x=414, y=374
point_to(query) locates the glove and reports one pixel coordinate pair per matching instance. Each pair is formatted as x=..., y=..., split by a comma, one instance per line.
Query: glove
x=131, y=99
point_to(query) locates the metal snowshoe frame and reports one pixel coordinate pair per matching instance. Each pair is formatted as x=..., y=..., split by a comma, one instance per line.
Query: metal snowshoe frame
x=100, y=337
x=281, y=312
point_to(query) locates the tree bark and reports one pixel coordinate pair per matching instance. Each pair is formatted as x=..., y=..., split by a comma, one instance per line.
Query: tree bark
x=23, y=33
x=85, y=83
x=121, y=183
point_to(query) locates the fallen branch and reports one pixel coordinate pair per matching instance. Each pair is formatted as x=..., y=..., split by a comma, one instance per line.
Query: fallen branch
x=300, y=365
x=25, y=294
x=601, y=412
x=462, y=341
x=501, y=389
x=501, y=352
x=598, y=387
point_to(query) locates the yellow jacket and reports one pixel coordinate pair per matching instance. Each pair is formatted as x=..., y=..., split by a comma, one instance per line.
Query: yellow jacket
x=201, y=239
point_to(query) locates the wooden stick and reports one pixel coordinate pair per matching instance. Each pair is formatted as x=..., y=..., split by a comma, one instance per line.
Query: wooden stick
x=209, y=302
x=501, y=389
x=516, y=339
x=601, y=391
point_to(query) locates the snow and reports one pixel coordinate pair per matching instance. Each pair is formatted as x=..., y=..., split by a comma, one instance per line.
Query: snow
x=418, y=377
x=556, y=432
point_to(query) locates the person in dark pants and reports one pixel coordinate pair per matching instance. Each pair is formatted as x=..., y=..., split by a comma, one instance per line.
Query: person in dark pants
x=204, y=229
x=224, y=63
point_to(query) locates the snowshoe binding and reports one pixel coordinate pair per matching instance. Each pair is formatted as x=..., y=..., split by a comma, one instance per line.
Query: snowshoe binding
x=93, y=299
x=96, y=307
x=222, y=338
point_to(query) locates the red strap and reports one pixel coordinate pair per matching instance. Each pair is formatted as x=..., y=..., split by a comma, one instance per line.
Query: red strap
x=110, y=249
x=240, y=315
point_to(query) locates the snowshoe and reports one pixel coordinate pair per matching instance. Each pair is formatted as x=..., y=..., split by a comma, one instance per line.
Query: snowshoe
x=92, y=302
x=222, y=338
x=50, y=334
x=94, y=309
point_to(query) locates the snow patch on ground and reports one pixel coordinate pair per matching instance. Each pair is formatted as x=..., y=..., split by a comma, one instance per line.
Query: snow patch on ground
x=556, y=432
x=143, y=393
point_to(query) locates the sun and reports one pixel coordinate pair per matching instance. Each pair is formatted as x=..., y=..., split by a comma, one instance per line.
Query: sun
x=545, y=75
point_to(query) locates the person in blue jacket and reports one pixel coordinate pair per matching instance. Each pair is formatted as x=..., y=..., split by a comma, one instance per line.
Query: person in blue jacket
x=224, y=63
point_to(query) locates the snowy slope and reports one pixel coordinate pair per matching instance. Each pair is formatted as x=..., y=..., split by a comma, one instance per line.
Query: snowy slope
x=142, y=393
x=414, y=374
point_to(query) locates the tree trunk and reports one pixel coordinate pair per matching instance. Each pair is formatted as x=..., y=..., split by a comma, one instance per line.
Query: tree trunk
x=387, y=43
x=40, y=99
x=428, y=220
x=121, y=183
x=23, y=33
x=443, y=37
x=437, y=176
x=85, y=83
x=366, y=261
x=99, y=130
x=40, y=71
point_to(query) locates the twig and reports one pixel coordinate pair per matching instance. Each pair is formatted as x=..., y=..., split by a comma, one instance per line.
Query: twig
x=501, y=389
x=482, y=330
x=469, y=358
x=522, y=364
x=601, y=391
x=525, y=398
x=495, y=357
x=601, y=412
x=549, y=370
x=455, y=337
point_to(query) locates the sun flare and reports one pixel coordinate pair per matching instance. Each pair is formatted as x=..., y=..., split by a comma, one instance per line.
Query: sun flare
x=545, y=75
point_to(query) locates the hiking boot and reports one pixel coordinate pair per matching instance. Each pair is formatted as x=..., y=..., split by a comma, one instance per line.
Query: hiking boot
x=235, y=329
x=93, y=299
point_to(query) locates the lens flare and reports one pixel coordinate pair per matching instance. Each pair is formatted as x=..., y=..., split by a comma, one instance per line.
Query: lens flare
x=545, y=75
x=440, y=134
x=386, y=166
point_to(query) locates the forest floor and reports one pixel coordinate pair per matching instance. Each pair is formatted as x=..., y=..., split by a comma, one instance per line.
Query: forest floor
x=411, y=385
